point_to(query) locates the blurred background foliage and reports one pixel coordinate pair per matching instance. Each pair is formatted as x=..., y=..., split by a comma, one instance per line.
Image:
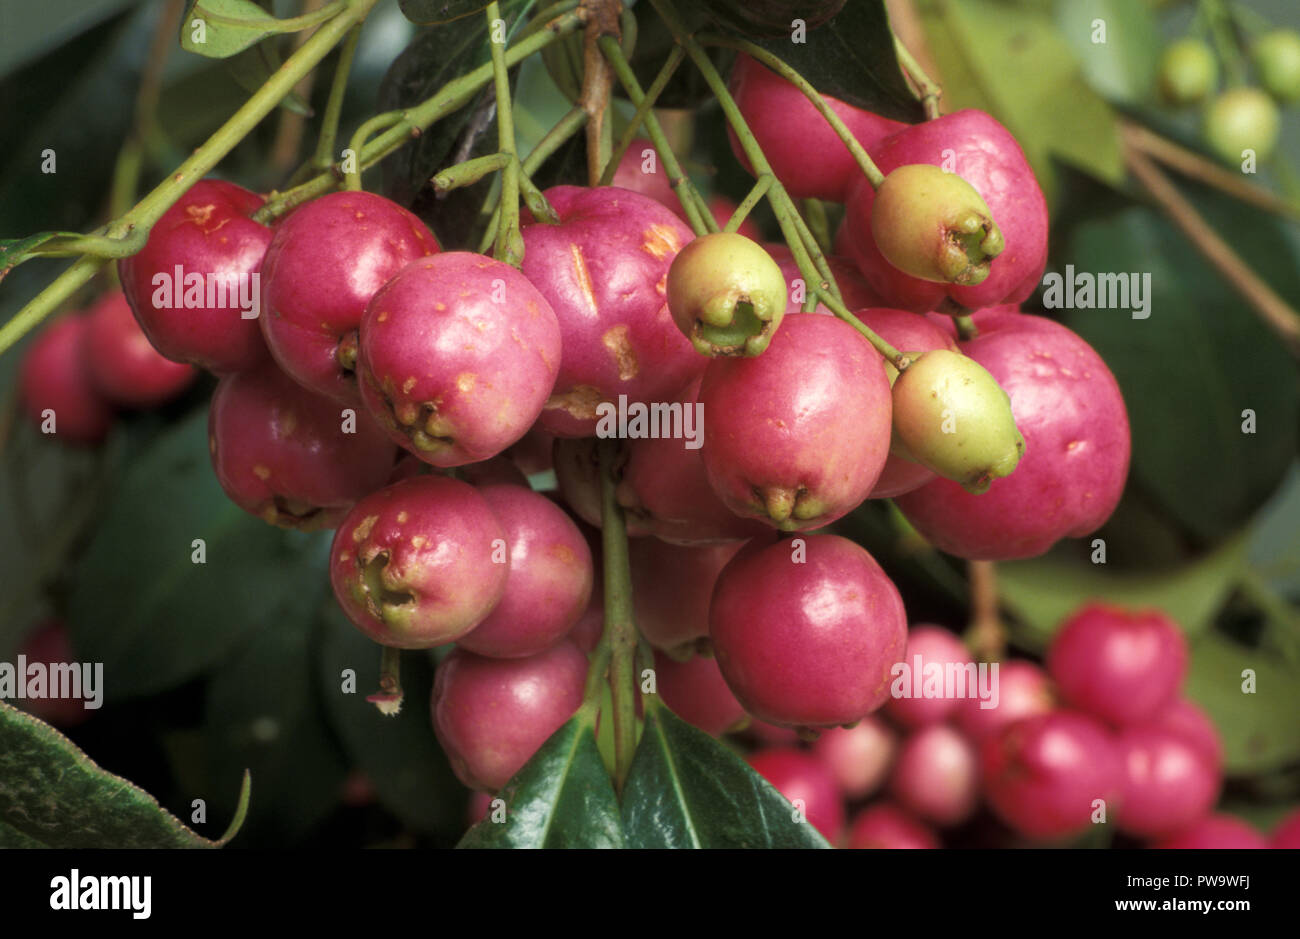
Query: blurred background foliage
x=236, y=663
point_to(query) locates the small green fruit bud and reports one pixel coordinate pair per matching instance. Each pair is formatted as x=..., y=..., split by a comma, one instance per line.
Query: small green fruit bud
x=935, y=226
x=1277, y=59
x=1188, y=71
x=726, y=294
x=951, y=416
x=1242, y=119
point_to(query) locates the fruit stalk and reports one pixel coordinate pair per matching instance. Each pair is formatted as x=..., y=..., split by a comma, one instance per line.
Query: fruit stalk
x=620, y=636
x=928, y=90
x=510, y=245
x=666, y=72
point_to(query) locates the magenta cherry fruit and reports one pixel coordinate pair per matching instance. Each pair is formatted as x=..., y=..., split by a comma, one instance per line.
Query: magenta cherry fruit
x=806, y=630
x=419, y=563
x=797, y=436
x=1124, y=666
x=195, y=286
x=291, y=457
x=925, y=693
x=885, y=825
x=123, y=366
x=1068, y=408
x=550, y=578
x=807, y=784
x=1169, y=783
x=695, y=691
x=859, y=757
x=492, y=715
x=54, y=389
x=1189, y=721
x=672, y=587
x=458, y=354
x=1022, y=690
x=327, y=259
x=936, y=775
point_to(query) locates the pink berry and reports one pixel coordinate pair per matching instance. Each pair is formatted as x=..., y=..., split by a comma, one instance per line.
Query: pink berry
x=797, y=436
x=291, y=457
x=419, y=563
x=807, y=784
x=1068, y=407
x=936, y=775
x=932, y=654
x=55, y=390
x=1169, y=784
x=122, y=364
x=885, y=825
x=1214, y=832
x=1043, y=774
x=205, y=247
x=1187, y=719
x=324, y=264
x=1023, y=690
x=859, y=757
x=1287, y=833
x=1120, y=665
x=805, y=634
x=604, y=271
x=458, y=354
x=492, y=715
x=676, y=615
x=695, y=691
x=549, y=582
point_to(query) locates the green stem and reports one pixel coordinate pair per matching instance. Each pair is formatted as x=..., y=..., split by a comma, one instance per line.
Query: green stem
x=149, y=209
x=469, y=172
x=1219, y=21
x=818, y=223
x=692, y=203
x=620, y=626
x=389, y=697
x=537, y=203
x=510, y=244
x=638, y=116
x=368, y=128
x=755, y=196
x=324, y=155
x=966, y=328
x=927, y=90
x=836, y=305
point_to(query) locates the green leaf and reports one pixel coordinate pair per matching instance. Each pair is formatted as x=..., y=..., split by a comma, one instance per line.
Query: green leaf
x=1012, y=62
x=1260, y=731
x=54, y=796
x=219, y=29
x=14, y=251
x=562, y=798
x=145, y=609
x=1042, y=592
x=433, y=12
x=399, y=755
x=251, y=68
x=1117, y=43
x=852, y=58
x=1201, y=359
x=687, y=790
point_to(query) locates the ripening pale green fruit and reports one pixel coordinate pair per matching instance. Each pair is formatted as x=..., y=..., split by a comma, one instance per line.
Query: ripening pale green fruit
x=951, y=416
x=1188, y=71
x=934, y=225
x=726, y=294
x=1242, y=119
x=1277, y=59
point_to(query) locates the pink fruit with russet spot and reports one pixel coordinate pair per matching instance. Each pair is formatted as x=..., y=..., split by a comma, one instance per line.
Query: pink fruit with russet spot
x=291, y=457
x=1042, y=774
x=604, y=271
x=1023, y=690
x=492, y=715
x=856, y=292
x=123, y=366
x=807, y=784
x=1169, y=783
x=885, y=825
x=672, y=586
x=803, y=150
x=797, y=436
x=419, y=563
x=457, y=356
x=975, y=147
x=53, y=385
x=859, y=757
x=207, y=237
x=936, y=775
x=940, y=652
x=695, y=691
x=1124, y=666
x=1186, y=719
x=325, y=263
x=806, y=634
x=1216, y=832
x=550, y=576
x=1068, y=408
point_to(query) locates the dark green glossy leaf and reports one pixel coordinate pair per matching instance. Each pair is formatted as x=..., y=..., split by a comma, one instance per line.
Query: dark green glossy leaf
x=687, y=790
x=219, y=29
x=54, y=796
x=1260, y=730
x=562, y=798
x=399, y=755
x=140, y=604
x=852, y=58
x=1196, y=363
x=433, y=12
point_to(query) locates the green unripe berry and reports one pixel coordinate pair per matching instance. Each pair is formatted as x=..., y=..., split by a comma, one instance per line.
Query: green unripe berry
x=1188, y=71
x=1277, y=59
x=952, y=417
x=935, y=226
x=1242, y=119
x=726, y=294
